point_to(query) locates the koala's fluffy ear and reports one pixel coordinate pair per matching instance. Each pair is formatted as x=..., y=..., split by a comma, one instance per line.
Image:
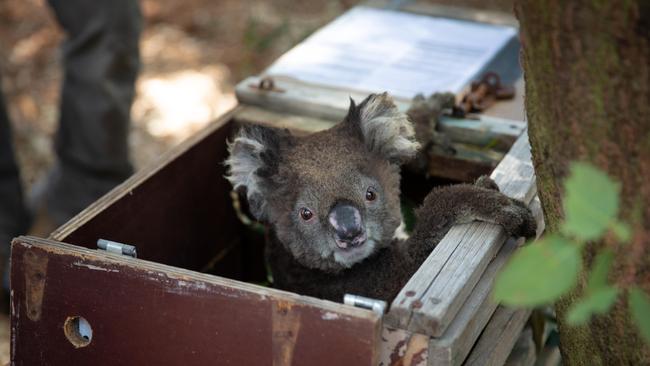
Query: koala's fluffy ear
x=384, y=129
x=254, y=158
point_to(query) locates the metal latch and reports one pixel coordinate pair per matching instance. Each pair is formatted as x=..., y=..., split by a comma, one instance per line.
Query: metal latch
x=118, y=248
x=482, y=94
x=378, y=306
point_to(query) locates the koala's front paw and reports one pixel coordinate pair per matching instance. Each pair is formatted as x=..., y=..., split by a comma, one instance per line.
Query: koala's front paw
x=486, y=182
x=517, y=219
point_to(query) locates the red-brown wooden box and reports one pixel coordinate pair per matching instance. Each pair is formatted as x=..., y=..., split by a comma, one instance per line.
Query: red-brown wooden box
x=161, y=308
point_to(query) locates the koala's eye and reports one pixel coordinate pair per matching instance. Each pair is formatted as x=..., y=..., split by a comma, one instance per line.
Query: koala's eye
x=371, y=195
x=306, y=214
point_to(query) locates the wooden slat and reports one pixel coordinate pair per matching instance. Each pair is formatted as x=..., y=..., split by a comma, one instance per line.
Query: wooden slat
x=297, y=124
x=146, y=313
x=523, y=353
x=487, y=131
x=457, y=341
x=446, y=278
x=296, y=97
x=503, y=133
x=331, y=104
x=455, y=344
x=498, y=338
x=479, y=243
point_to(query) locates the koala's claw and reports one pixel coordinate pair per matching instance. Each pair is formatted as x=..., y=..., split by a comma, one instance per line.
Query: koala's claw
x=493, y=206
x=486, y=182
x=519, y=220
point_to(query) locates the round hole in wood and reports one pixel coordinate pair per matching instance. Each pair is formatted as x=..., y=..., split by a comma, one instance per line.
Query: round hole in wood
x=78, y=331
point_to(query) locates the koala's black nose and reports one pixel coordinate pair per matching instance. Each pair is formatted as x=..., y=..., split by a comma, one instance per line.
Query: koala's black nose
x=347, y=224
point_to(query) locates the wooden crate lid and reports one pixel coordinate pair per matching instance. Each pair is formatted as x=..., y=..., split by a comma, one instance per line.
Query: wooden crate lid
x=325, y=101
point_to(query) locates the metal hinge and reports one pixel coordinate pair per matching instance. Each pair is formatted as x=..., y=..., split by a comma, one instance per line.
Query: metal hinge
x=378, y=306
x=118, y=248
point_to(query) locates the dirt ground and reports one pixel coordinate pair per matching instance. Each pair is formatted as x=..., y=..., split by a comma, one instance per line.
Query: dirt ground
x=193, y=53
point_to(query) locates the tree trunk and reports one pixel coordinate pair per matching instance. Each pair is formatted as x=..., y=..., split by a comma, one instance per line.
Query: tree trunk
x=587, y=72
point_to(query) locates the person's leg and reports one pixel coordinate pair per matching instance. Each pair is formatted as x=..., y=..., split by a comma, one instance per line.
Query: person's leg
x=14, y=218
x=101, y=61
x=13, y=215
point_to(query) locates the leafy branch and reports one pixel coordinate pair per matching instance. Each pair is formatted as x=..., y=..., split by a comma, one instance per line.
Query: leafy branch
x=542, y=272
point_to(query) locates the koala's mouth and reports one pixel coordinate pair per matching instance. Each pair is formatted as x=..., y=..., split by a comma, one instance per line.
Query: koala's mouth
x=351, y=244
x=348, y=255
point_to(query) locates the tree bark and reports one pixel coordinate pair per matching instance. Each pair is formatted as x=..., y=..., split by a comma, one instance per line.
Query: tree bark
x=587, y=72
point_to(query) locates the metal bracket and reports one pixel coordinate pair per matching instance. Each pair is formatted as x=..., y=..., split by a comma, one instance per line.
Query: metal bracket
x=378, y=306
x=118, y=248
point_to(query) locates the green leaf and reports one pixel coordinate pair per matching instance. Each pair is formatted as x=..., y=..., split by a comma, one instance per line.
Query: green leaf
x=622, y=231
x=597, y=302
x=539, y=273
x=590, y=203
x=640, y=309
x=600, y=270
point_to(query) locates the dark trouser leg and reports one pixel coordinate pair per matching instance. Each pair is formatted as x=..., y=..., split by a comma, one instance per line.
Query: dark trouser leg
x=101, y=62
x=13, y=216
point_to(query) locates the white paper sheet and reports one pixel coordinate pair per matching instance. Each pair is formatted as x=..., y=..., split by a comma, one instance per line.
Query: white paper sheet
x=372, y=50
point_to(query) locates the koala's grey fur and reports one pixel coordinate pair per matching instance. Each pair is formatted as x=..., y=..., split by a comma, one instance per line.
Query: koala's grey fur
x=282, y=174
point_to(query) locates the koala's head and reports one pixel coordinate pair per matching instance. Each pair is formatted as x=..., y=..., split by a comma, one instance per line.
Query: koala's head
x=332, y=197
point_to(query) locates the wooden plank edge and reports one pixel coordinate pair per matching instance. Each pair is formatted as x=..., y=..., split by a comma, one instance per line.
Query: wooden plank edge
x=498, y=337
x=107, y=259
x=459, y=337
x=331, y=104
x=401, y=312
x=297, y=124
x=315, y=101
x=523, y=352
x=435, y=317
x=455, y=344
x=485, y=131
x=139, y=177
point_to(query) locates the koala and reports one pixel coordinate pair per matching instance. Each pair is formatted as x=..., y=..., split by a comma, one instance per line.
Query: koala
x=331, y=203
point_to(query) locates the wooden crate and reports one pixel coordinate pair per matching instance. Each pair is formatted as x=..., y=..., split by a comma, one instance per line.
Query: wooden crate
x=158, y=309
x=162, y=309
